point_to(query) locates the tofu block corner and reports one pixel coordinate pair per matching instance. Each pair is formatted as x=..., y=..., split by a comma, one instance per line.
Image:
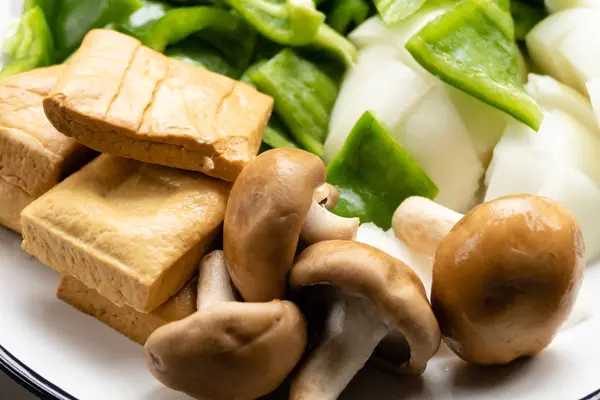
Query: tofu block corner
x=132, y=231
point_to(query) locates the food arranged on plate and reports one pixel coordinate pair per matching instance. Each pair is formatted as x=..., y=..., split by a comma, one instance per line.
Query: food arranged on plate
x=264, y=192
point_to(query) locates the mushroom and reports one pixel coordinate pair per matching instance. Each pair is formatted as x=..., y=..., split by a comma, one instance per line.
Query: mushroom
x=421, y=223
x=278, y=198
x=371, y=296
x=505, y=277
x=227, y=350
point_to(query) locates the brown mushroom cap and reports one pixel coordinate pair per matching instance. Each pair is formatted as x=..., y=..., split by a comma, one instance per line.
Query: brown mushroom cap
x=506, y=277
x=231, y=351
x=379, y=295
x=266, y=212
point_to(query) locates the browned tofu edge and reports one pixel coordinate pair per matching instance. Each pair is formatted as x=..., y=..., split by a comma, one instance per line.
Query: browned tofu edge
x=135, y=325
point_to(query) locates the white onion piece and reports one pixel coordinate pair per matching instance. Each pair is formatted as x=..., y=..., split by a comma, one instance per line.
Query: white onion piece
x=560, y=140
x=593, y=88
x=422, y=264
x=566, y=45
x=544, y=40
x=515, y=173
x=379, y=83
x=484, y=123
x=421, y=118
x=434, y=135
x=374, y=31
x=551, y=94
x=557, y=5
x=581, y=49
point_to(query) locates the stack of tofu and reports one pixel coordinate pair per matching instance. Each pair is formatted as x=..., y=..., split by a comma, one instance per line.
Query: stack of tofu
x=126, y=229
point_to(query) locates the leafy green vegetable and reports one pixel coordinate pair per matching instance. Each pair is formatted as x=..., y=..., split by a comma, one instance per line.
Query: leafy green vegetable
x=32, y=46
x=288, y=22
x=345, y=14
x=393, y=11
x=526, y=16
x=304, y=96
x=374, y=174
x=73, y=19
x=472, y=48
x=204, y=55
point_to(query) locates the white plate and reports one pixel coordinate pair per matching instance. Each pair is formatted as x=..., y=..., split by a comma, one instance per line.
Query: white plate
x=61, y=353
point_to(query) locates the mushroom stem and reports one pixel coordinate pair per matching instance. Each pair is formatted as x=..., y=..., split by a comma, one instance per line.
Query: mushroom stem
x=422, y=223
x=321, y=225
x=326, y=195
x=214, y=282
x=353, y=329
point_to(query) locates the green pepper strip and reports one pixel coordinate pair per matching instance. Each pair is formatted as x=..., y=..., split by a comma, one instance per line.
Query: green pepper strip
x=347, y=13
x=304, y=96
x=288, y=22
x=179, y=23
x=374, y=174
x=394, y=11
x=32, y=46
x=472, y=48
x=73, y=19
x=275, y=134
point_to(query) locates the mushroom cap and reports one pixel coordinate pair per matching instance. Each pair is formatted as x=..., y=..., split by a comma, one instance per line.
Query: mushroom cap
x=266, y=211
x=232, y=351
x=506, y=277
x=392, y=286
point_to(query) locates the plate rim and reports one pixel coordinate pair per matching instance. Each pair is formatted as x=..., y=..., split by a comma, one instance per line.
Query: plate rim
x=44, y=389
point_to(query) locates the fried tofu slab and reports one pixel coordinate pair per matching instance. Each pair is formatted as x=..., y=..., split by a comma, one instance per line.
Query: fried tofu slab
x=134, y=232
x=34, y=156
x=122, y=98
x=135, y=325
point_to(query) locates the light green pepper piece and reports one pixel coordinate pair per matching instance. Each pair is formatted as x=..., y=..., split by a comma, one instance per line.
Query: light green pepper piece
x=32, y=46
x=394, y=11
x=204, y=55
x=345, y=14
x=374, y=174
x=288, y=22
x=275, y=134
x=304, y=96
x=472, y=48
x=73, y=19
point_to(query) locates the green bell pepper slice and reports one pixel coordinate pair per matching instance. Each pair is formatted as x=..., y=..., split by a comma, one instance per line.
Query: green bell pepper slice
x=374, y=174
x=158, y=26
x=304, y=96
x=73, y=19
x=472, y=48
x=345, y=14
x=32, y=45
x=275, y=134
x=199, y=54
x=394, y=11
x=526, y=16
x=288, y=22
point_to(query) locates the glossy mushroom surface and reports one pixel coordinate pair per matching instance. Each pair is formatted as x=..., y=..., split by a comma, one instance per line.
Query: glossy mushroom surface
x=227, y=350
x=372, y=296
x=278, y=197
x=506, y=277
